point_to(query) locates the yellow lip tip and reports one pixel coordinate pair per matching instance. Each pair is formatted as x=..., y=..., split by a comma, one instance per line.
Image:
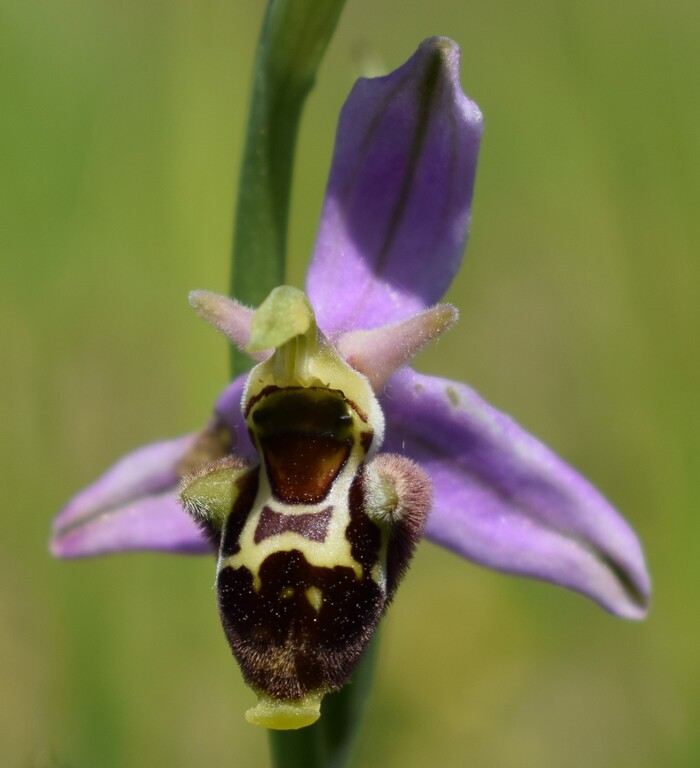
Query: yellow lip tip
x=286, y=715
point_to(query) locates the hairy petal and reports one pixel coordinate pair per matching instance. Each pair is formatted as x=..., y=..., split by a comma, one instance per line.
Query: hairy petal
x=504, y=500
x=397, y=211
x=379, y=352
x=133, y=506
x=228, y=316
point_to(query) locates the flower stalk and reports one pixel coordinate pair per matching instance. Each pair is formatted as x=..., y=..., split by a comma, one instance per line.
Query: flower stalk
x=293, y=39
x=292, y=42
x=328, y=742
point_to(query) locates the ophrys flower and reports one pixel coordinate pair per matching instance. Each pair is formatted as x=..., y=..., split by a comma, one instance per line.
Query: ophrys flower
x=392, y=233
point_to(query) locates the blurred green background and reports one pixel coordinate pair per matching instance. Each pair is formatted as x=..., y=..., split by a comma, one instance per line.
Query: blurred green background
x=120, y=135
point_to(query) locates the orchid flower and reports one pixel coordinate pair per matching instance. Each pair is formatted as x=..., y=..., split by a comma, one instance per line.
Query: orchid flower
x=393, y=229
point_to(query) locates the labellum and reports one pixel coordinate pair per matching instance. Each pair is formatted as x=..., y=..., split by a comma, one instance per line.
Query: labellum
x=314, y=538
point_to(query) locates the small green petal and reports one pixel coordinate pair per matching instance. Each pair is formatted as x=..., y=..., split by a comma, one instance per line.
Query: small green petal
x=211, y=491
x=285, y=314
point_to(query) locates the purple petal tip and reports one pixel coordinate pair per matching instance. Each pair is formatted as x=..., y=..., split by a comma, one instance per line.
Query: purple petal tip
x=505, y=501
x=397, y=211
x=132, y=506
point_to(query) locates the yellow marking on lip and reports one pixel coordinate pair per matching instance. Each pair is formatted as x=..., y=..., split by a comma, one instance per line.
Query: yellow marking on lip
x=315, y=598
x=287, y=592
x=378, y=575
x=285, y=715
x=335, y=550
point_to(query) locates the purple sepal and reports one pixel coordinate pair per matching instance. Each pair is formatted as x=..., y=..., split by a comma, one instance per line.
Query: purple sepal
x=156, y=523
x=397, y=210
x=132, y=506
x=228, y=409
x=504, y=500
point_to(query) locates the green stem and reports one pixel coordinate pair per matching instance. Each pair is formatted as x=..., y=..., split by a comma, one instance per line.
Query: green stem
x=294, y=37
x=328, y=742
